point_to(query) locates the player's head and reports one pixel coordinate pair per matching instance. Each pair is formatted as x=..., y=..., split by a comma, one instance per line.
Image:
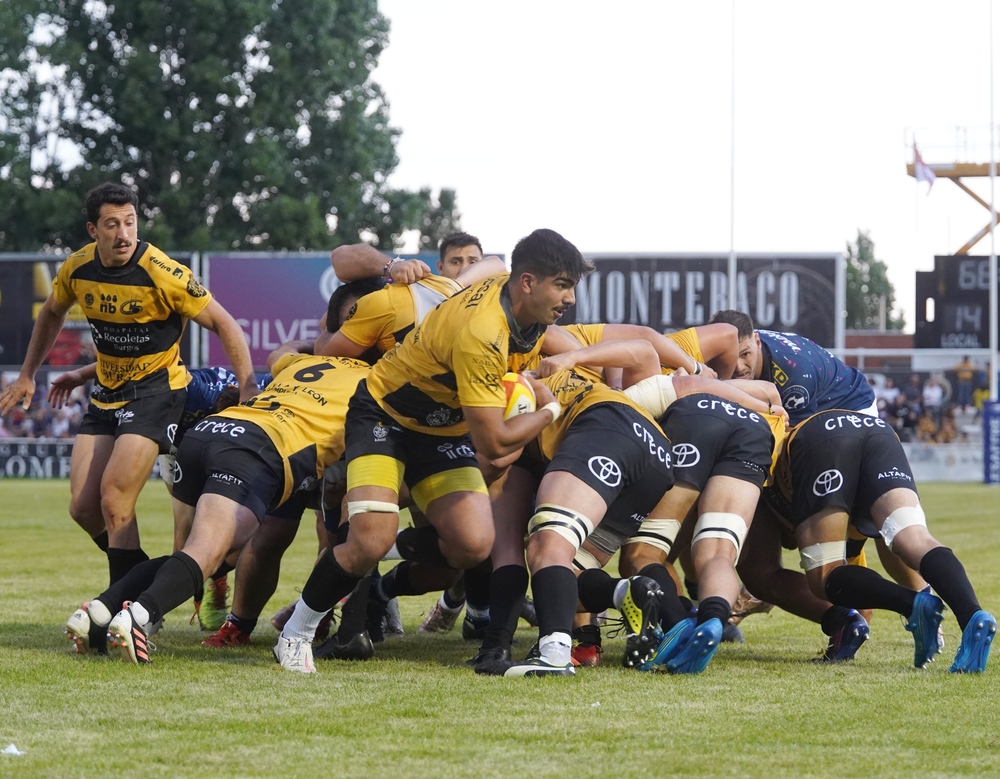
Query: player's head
x=748, y=363
x=544, y=269
x=345, y=298
x=112, y=221
x=458, y=251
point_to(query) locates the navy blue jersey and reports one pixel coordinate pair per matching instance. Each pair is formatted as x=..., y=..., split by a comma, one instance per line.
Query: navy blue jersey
x=809, y=378
x=203, y=391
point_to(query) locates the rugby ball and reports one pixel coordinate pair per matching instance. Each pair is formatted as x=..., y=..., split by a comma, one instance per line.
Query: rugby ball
x=520, y=395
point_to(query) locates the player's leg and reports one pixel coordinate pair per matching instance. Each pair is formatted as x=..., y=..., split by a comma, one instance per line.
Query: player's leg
x=125, y=474
x=902, y=524
x=566, y=510
x=512, y=501
x=221, y=524
x=87, y=463
x=726, y=508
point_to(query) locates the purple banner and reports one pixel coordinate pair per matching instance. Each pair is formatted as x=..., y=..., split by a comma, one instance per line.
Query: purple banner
x=274, y=297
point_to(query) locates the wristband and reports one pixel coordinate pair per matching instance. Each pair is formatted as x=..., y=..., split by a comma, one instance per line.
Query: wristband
x=554, y=407
x=387, y=269
x=697, y=368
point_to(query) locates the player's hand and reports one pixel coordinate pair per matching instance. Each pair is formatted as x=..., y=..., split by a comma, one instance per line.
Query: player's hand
x=248, y=392
x=779, y=411
x=707, y=372
x=557, y=362
x=62, y=387
x=409, y=271
x=21, y=391
x=543, y=395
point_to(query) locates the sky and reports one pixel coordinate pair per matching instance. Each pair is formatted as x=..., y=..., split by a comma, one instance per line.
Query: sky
x=654, y=127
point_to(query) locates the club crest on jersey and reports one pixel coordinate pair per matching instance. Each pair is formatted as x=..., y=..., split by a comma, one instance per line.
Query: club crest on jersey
x=195, y=289
x=795, y=397
x=88, y=300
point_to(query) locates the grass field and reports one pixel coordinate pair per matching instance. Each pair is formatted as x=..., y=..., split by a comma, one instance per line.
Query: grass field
x=761, y=709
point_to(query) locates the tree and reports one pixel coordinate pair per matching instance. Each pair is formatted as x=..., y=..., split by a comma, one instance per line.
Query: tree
x=868, y=286
x=242, y=124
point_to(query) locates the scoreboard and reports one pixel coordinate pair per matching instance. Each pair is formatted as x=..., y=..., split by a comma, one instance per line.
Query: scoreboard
x=959, y=287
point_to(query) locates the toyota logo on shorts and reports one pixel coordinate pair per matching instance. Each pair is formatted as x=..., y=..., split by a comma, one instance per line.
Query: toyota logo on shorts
x=605, y=469
x=827, y=482
x=685, y=455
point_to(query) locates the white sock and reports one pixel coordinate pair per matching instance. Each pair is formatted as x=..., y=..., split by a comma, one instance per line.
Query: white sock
x=477, y=613
x=620, y=589
x=139, y=614
x=303, y=622
x=449, y=609
x=555, y=648
x=99, y=613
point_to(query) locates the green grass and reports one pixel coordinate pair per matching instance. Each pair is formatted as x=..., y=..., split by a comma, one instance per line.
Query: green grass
x=761, y=709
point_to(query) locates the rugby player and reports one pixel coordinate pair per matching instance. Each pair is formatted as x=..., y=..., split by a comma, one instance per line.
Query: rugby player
x=137, y=302
x=232, y=468
x=842, y=468
x=426, y=409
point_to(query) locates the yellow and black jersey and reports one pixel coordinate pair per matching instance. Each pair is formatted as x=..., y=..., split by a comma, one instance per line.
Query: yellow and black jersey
x=303, y=410
x=577, y=390
x=777, y=425
x=137, y=314
x=687, y=340
x=455, y=357
x=382, y=319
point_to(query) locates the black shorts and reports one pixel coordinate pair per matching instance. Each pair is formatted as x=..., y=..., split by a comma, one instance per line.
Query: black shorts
x=370, y=430
x=617, y=452
x=712, y=437
x=232, y=458
x=153, y=417
x=845, y=460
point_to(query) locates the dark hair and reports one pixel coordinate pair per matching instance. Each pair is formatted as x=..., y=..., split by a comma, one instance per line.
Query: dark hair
x=546, y=253
x=458, y=239
x=345, y=292
x=742, y=322
x=108, y=192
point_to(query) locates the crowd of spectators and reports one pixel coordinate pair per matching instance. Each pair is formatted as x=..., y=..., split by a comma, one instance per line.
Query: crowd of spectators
x=931, y=408
x=41, y=421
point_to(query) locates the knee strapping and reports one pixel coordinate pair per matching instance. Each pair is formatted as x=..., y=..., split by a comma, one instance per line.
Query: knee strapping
x=654, y=394
x=721, y=524
x=565, y=522
x=821, y=554
x=585, y=561
x=355, y=507
x=900, y=519
x=659, y=533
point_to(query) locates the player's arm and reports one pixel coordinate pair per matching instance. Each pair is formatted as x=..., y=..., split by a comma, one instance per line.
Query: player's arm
x=63, y=386
x=720, y=346
x=338, y=345
x=669, y=353
x=494, y=438
x=215, y=318
x=488, y=266
x=356, y=261
x=727, y=390
x=637, y=359
x=47, y=326
x=764, y=390
x=301, y=346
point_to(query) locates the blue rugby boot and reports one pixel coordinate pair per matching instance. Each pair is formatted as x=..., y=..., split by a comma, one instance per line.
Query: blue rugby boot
x=928, y=611
x=975, y=647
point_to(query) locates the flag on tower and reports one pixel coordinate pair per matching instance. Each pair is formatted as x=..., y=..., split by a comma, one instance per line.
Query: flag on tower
x=921, y=170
